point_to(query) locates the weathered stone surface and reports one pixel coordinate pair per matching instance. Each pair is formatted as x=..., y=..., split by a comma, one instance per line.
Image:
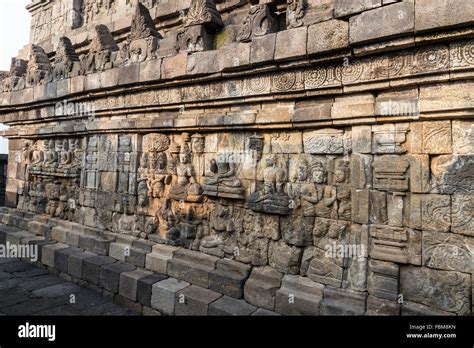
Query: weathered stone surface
x=76, y=262
x=109, y=277
x=342, y=302
x=91, y=268
x=328, y=36
x=263, y=48
x=163, y=295
x=291, y=43
x=362, y=105
x=260, y=289
x=383, y=279
x=398, y=19
x=158, y=259
x=448, y=251
x=453, y=174
x=442, y=290
x=344, y=8
x=194, y=300
x=416, y=309
x=442, y=13
x=285, y=258
x=145, y=286
x=49, y=252
x=192, y=267
x=336, y=147
x=298, y=296
x=61, y=258
x=378, y=306
x=228, y=306
x=129, y=283
x=229, y=278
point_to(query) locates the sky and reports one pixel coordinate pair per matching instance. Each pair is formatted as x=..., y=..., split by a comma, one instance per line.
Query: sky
x=14, y=34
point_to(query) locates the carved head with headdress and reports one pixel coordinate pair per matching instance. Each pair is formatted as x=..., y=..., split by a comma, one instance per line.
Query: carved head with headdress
x=318, y=172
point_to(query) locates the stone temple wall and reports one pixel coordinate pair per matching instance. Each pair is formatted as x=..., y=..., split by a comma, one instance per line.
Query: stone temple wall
x=320, y=150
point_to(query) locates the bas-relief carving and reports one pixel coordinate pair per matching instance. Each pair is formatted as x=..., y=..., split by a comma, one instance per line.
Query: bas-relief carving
x=184, y=190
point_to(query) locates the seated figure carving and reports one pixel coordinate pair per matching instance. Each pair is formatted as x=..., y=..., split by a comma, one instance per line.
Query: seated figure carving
x=222, y=181
x=272, y=199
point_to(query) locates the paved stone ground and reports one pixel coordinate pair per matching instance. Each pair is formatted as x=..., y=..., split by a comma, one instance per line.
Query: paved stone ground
x=26, y=289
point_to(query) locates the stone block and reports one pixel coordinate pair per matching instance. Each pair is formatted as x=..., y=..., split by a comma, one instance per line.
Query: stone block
x=328, y=36
x=109, y=277
x=228, y=306
x=59, y=234
x=263, y=48
x=448, y=251
x=342, y=302
x=234, y=56
x=284, y=258
x=119, y=251
x=129, y=283
x=344, y=8
x=39, y=243
x=383, y=279
x=384, y=22
x=446, y=291
x=49, y=252
x=291, y=43
x=260, y=289
x=75, y=263
x=379, y=307
x=129, y=74
x=150, y=70
x=175, y=66
x=91, y=268
x=191, y=266
x=264, y=313
x=163, y=296
x=206, y=62
x=61, y=258
x=362, y=105
x=463, y=137
x=194, y=300
x=137, y=257
x=158, y=259
x=229, y=278
x=415, y=309
x=145, y=286
x=360, y=206
x=436, y=14
x=298, y=296
x=312, y=111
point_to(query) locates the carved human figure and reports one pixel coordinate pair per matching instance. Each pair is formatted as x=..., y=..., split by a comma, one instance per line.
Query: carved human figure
x=50, y=155
x=185, y=186
x=65, y=156
x=158, y=177
x=272, y=199
x=37, y=156
x=325, y=196
x=223, y=181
